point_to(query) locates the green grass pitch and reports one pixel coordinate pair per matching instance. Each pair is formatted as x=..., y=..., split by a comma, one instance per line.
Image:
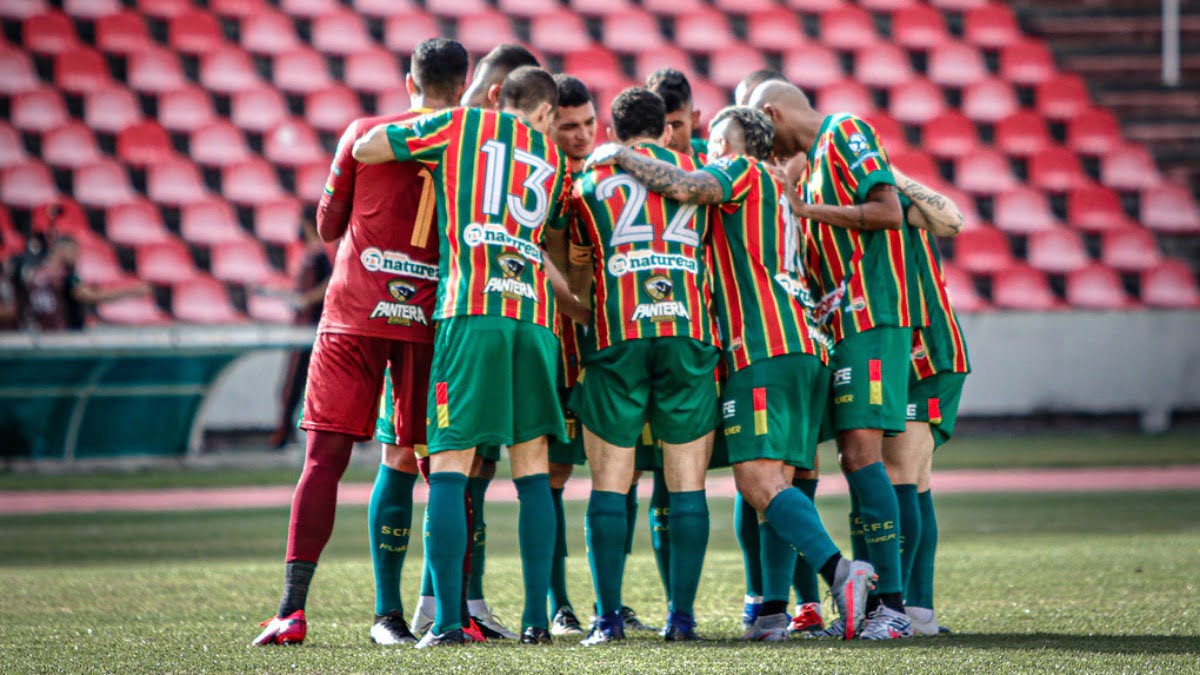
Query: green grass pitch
x=1078, y=583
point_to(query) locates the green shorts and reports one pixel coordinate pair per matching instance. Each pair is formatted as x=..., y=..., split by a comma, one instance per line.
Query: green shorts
x=493, y=382
x=870, y=380
x=490, y=452
x=648, y=451
x=666, y=381
x=772, y=409
x=935, y=400
x=569, y=451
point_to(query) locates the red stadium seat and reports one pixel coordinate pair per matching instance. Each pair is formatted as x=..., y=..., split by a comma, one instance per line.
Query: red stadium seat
x=251, y=182
x=218, y=144
x=916, y=102
x=982, y=251
x=775, y=29
x=49, y=33
x=889, y=132
x=672, y=8
x=1026, y=63
x=455, y=8
x=559, y=32
x=845, y=96
x=630, y=31
x=301, y=71
x=887, y=5
x=195, y=32
x=144, y=144
x=269, y=308
x=991, y=26
x=122, y=33
x=185, y=110
x=949, y=135
x=919, y=27
x=1022, y=134
x=528, y=9
x=1094, y=132
x=309, y=9
x=985, y=172
x=1063, y=97
x=744, y=7
x=81, y=70
x=1171, y=285
x=175, y=182
x=812, y=66
x=154, y=70
x=955, y=64
x=163, y=9
x=278, y=222
x=1096, y=209
x=989, y=101
x=1097, y=287
x=69, y=146
x=237, y=9
x=1129, y=249
x=16, y=72
x=332, y=109
x=135, y=223
x=382, y=9
x=596, y=66
x=1022, y=210
x=138, y=310
x=72, y=219
x=963, y=295
x=958, y=5
x=393, y=102
x=733, y=64
x=11, y=241
x=965, y=204
x=203, y=300
x=1056, y=169
x=341, y=33
x=38, y=110
x=111, y=109
x=1021, y=287
x=1057, y=251
x=704, y=32
x=310, y=180
x=98, y=263
x=481, y=31
x=372, y=70
x=268, y=33
x=164, y=263
x=101, y=184
x=258, y=110
x=21, y=10
x=210, y=222
x=27, y=185
x=228, y=71
x=244, y=262
x=815, y=6
x=848, y=28
x=403, y=32
x=12, y=150
x=1129, y=167
x=90, y=10
x=882, y=66
x=917, y=164
x=1170, y=209
x=650, y=60
x=292, y=143
x=708, y=99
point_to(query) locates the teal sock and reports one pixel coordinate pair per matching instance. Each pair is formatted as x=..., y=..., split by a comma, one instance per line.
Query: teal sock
x=689, y=525
x=660, y=531
x=920, y=588
x=804, y=579
x=426, y=569
x=910, y=530
x=558, y=568
x=794, y=517
x=746, y=527
x=880, y=516
x=778, y=562
x=445, y=546
x=477, y=488
x=858, y=542
x=605, y=533
x=389, y=519
x=535, y=520
x=631, y=514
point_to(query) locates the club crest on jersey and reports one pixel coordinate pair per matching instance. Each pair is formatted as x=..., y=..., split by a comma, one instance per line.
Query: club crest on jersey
x=841, y=377
x=399, y=264
x=663, y=308
x=857, y=143
x=400, y=290
x=511, y=264
x=659, y=287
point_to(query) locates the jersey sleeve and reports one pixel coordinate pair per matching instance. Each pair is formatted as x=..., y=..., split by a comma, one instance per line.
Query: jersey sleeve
x=424, y=140
x=736, y=176
x=340, y=184
x=861, y=158
x=560, y=196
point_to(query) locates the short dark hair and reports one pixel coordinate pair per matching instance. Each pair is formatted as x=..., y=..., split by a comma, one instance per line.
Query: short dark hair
x=758, y=131
x=508, y=57
x=572, y=92
x=528, y=87
x=439, y=67
x=638, y=112
x=673, y=86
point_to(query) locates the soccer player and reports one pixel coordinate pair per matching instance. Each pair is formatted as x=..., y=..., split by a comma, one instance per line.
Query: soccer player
x=500, y=184
x=490, y=73
x=774, y=398
x=682, y=116
x=376, y=312
x=859, y=259
x=650, y=356
x=741, y=93
x=939, y=369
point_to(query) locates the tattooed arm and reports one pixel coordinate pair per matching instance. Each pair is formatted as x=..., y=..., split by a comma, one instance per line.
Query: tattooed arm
x=930, y=209
x=672, y=182
x=881, y=211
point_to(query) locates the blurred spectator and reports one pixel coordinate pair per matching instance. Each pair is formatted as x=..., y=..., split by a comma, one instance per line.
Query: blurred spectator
x=10, y=308
x=58, y=299
x=311, y=280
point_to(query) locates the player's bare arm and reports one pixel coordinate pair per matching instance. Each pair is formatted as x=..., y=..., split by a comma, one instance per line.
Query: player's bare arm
x=880, y=211
x=672, y=182
x=568, y=303
x=374, y=147
x=930, y=209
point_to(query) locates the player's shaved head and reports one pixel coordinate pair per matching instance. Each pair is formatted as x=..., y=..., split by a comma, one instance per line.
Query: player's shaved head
x=741, y=130
x=638, y=112
x=491, y=71
x=796, y=123
x=741, y=94
x=439, y=69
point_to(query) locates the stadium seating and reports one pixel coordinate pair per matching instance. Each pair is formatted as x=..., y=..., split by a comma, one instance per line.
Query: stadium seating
x=37, y=110
x=1171, y=285
x=111, y=109
x=210, y=222
x=1056, y=251
x=1097, y=287
x=166, y=262
x=203, y=300
x=155, y=71
x=1020, y=287
x=101, y=184
x=1170, y=209
x=70, y=146
x=983, y=251
x=1129, y=249
x=134, y=311
x=122, y=33
x=135, y=223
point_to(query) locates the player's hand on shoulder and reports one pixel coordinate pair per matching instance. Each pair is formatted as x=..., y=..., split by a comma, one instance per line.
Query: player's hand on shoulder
x=604, y=155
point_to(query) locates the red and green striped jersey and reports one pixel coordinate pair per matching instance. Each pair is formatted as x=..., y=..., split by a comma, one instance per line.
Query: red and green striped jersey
x=918, y=312
x=861, y=275
x=650, y=273
x=939, y=347
x=499, y=184
x=762, y=299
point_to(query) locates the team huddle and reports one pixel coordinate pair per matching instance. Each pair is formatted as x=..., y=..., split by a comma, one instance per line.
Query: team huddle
x=654, y=304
